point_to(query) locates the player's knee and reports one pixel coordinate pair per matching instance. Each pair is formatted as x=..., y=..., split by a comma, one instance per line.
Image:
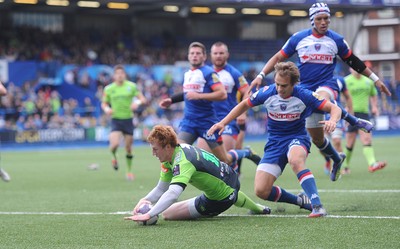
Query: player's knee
x=167, y=215
x=367, y=141
x=318, y=141
x=296, y=164
x=262, y=193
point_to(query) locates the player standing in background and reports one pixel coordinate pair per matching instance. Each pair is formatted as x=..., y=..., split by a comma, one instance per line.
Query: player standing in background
x=3, y=174
x=183, y=164
x=241, y=121
x=317, y=49
x=337, y=135
x=234, y=83
x=117, y=102
x=364, y=93
x=201, y=87
x=287, y=107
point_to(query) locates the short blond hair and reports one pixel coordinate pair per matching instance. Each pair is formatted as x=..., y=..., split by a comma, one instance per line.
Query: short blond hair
x=288, y=69
x=198, y=45
x=119, y=67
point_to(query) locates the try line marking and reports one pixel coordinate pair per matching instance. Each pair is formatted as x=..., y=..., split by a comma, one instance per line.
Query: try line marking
x=351, y=190
x=223, y=215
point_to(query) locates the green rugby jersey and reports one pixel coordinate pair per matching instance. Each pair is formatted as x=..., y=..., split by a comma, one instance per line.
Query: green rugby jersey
x=201, y=169
x=120, y=98
x=360, y=90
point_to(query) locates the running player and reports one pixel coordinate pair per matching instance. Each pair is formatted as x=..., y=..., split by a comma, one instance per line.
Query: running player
x=183, y=164
x=364, y=93
x=287, y=107
x=317, y=49
x=201, y=87
x=235, y=83
x=118, y=103
x=337, y=135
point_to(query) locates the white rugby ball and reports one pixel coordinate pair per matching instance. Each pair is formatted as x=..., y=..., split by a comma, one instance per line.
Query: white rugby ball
x=143, y=209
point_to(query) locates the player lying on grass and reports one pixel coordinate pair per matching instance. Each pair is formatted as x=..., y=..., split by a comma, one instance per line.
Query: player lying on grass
x=183, y=164
x=288, y=106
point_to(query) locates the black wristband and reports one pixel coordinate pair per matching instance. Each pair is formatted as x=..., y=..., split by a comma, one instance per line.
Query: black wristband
x=177, y=98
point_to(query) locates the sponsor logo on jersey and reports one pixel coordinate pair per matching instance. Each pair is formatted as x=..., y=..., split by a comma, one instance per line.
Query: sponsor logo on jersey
x=284, y=116
x=176, y=171
x=317, y=58
x=317, y=46
x=191, y=87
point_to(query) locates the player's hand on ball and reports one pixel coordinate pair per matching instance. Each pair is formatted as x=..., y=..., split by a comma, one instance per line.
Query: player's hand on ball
x=139, y=205
x=138, y=217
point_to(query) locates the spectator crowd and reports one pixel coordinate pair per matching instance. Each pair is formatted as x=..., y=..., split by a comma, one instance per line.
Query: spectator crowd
x=32, y=107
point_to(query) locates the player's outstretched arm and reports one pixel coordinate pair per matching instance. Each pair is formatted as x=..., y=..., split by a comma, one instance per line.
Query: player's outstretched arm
x=218, y=94
x=382, y=88
x=241, y=108
x=166, y=200
x=378, y=83
x=138, y=217
x=359, y=66
x=335, y=113
x=269, y=67
x=140, y=203
x=154, y=195
x=165, y=103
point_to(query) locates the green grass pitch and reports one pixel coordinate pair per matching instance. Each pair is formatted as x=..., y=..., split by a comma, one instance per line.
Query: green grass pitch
x=54, y=201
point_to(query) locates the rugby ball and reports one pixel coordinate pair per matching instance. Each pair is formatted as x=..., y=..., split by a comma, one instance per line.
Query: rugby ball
x=143, y=209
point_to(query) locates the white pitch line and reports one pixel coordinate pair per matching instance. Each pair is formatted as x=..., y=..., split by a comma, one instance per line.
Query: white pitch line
x=226, y=215
x=351, y=190
x=305, y=216
x=66, y=213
